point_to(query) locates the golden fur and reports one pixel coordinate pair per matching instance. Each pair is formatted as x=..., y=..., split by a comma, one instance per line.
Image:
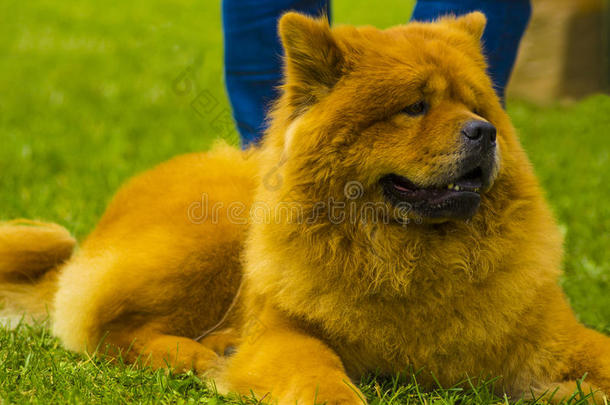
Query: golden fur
x=323, y=301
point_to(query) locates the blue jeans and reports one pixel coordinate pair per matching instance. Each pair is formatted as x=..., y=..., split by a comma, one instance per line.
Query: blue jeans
x=253, y=64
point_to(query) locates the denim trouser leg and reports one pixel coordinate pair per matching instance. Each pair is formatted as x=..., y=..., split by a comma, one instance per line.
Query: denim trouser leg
x=506, y=22
x=253, y=64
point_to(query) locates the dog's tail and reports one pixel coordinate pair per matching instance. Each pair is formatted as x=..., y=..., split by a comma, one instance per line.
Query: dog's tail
x=31, y=254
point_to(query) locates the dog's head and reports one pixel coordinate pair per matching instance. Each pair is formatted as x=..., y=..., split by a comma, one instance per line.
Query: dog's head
x=407, y=113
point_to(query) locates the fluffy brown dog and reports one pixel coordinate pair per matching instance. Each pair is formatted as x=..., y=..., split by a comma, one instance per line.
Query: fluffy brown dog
x=395, y=220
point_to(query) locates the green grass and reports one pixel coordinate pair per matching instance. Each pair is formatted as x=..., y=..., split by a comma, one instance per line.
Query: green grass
x=93, y=92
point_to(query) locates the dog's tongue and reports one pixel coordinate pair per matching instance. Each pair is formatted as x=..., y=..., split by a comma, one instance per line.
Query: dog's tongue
x=402, y=188
x=403, y=185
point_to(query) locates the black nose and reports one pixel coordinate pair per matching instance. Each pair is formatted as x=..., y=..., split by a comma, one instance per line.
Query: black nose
x=480, y=132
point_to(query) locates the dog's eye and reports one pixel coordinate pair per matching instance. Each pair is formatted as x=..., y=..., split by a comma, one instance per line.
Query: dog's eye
x=419, y=108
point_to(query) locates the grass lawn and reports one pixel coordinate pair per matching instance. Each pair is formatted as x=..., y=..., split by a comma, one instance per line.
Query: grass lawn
x=92, y=92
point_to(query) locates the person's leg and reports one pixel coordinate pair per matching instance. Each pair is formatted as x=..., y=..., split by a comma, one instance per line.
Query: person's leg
x=506, y=23
x=253, y=64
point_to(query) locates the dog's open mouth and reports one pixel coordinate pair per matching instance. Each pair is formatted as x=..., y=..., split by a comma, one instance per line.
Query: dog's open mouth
x=459, y=198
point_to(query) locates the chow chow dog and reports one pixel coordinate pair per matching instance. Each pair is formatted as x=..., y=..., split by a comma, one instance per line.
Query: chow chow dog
x=390, y=219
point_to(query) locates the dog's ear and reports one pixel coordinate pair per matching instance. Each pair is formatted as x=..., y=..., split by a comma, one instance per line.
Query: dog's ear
x=313, y=62
x=473, y=23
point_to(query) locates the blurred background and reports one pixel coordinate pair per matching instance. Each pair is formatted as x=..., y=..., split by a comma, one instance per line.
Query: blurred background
x=93, y=91
x=565, y=53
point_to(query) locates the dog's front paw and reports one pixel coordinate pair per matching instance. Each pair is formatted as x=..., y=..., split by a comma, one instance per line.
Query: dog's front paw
x=337, y=392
